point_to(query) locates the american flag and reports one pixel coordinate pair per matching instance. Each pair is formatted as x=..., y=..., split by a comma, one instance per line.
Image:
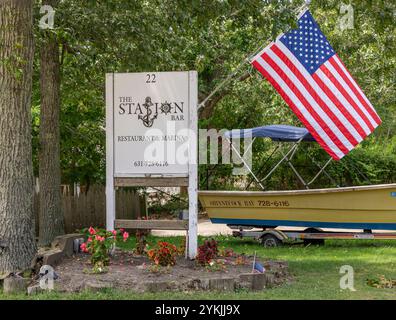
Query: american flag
x=314, y=82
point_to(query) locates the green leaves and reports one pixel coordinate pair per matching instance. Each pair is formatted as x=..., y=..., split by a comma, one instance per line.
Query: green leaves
x=213, y=37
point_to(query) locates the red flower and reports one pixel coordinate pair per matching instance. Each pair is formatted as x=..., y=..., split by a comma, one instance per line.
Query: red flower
x=83, y=247
x=91, y=230
x=99, y=238
x=125, y=236
x=114, y=233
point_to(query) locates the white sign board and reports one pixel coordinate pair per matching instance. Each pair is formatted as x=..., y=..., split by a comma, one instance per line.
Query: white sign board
x=151, y=119
x=151, y=131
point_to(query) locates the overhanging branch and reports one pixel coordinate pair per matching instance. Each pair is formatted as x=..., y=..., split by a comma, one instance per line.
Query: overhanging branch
x=207, y=111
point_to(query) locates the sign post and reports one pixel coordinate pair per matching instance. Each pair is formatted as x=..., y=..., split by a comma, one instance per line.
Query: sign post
x=151, y=137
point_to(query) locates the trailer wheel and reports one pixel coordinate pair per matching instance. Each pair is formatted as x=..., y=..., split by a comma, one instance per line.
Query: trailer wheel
x=269, y=241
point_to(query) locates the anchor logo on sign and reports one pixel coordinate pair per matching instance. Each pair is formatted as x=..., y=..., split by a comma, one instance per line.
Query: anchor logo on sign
x=150, y=116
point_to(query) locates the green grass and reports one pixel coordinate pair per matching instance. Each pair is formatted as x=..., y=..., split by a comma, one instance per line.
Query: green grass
x=315, y=270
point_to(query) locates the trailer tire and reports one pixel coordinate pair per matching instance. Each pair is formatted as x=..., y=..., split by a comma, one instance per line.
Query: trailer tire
x=270, y=241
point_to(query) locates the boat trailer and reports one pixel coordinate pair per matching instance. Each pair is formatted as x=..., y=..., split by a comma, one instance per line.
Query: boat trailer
x=270, y=237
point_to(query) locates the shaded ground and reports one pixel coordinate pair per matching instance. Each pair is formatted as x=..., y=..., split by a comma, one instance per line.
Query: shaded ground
x=131, y=272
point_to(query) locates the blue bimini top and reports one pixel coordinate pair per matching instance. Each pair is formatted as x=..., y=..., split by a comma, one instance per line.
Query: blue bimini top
x=277, y=132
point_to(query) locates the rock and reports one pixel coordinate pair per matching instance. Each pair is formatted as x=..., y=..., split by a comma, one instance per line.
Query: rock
x=96, y=286
x=33, y=290
x=65, y=243
x=253, y=281
x=15, y=284
x=222, y=284
x=194, y=284
x=245, y=280
x=205, y=284
x=159, y=286
x=47, y=269
x=270, y=280
x=52, y=257
x=259, y=281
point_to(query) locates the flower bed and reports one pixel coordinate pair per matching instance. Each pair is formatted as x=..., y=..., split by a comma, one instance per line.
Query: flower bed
x=129, y=271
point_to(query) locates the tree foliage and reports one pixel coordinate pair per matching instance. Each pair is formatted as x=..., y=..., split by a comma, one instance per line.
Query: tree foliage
x=214, y=37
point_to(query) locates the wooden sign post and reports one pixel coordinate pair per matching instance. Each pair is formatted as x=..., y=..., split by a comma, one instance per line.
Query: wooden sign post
x=151, y=140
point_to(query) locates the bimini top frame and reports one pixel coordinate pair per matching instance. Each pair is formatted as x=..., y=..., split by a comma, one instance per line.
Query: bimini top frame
x=277, y=133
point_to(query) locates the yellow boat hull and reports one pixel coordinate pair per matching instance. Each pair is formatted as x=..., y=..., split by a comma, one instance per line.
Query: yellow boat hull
x=366, y=207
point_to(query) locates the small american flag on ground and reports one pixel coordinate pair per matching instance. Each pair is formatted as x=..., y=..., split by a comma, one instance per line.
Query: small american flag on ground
x=314, y=82
x=257, y=267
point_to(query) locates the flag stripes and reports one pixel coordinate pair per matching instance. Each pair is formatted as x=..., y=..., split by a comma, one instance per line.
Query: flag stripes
x=302, y=97
x=330, y=120
x=327, y=100
x=301, y=112
x=352, y=85
x=322, y=99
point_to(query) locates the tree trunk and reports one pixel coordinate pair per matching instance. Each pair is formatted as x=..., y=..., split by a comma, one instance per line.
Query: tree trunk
x=18, y=245
x=51, y=218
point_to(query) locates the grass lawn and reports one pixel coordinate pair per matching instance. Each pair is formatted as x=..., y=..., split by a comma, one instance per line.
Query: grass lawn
x=315, y=270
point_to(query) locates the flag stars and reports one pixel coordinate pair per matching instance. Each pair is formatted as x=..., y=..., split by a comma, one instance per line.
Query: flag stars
x=308, y=44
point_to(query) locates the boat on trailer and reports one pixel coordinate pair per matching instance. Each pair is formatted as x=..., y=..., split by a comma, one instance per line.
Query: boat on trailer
x=370, y=207
x=365, y=207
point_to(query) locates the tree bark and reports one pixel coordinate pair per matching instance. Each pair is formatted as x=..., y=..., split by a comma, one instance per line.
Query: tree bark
x=209, y=108
x=16, y=169
x=51, y=218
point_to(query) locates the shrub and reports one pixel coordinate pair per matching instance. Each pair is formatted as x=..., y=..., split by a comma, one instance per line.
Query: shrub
x=227, y=252
x=164, y=254
x=216, y=265
x=241, y=260
x=207, y=252
x=99, y=244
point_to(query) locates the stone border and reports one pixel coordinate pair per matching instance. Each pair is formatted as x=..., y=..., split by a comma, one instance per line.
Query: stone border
x=61, y=247
x=248, y=281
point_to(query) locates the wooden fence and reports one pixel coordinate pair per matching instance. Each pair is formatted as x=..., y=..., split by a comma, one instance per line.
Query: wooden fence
x=89, y=209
